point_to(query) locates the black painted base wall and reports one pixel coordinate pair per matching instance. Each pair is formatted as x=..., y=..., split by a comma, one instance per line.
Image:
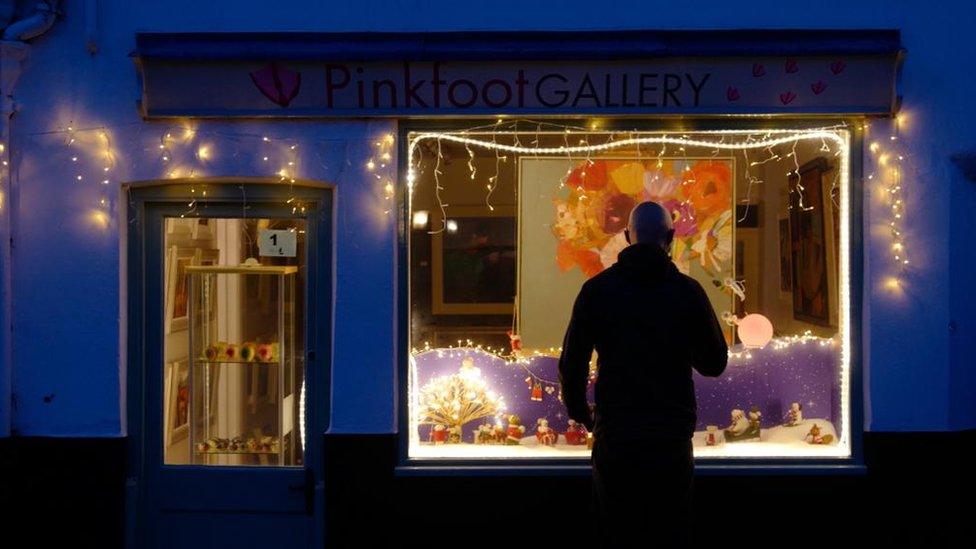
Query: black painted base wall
x=917, y=493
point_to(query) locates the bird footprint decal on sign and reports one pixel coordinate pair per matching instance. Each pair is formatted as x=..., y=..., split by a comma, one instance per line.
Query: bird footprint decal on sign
x=277, y=84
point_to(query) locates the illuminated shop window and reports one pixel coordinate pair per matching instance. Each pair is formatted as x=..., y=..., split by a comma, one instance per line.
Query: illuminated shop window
x=507, y=224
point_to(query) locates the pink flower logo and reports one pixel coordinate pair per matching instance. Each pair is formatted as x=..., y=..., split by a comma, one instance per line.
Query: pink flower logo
x=277, y=84
x=732, y=94
x=818, y=87
x=787, y=97
x=758, y=70
x=837, y=67
x=791, y=66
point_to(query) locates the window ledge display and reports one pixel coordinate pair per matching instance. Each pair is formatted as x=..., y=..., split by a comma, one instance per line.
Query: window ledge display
x=784, y=387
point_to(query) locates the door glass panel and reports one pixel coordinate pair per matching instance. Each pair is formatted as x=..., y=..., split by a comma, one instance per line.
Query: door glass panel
x=234, y=342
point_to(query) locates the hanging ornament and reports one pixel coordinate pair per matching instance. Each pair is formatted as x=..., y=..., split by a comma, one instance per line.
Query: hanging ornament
x=515, y=341
x=755, y=330
x=550, y=389
x=537, y=392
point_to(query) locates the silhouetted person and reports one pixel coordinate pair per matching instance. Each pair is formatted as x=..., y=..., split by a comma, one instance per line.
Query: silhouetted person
x=650, y=325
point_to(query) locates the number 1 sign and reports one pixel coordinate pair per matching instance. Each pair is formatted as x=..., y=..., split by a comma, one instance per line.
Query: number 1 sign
x=278, y=243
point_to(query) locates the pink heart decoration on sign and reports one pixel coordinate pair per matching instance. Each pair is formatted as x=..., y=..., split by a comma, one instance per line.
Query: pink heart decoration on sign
x=791, y=66
x=758, y=70
x=732, y=94
x=818, y=87
x=787, y=97
x=277, y=84
x=837, y=67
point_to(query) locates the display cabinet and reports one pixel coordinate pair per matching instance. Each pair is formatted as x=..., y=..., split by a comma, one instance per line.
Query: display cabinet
x=244, y=372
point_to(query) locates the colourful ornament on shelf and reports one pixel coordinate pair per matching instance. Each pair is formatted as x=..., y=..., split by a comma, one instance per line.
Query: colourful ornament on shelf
x=248, y=351
x=230, y=352
x=755, y=330
x=267, y=352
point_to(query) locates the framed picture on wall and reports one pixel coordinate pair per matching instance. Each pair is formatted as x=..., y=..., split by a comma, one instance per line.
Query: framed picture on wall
x=178, y=402
x=810, y=244
x=474, y=261
x=177, y=297
x=785, y=257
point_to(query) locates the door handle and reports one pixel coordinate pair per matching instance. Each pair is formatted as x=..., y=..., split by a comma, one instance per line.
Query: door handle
x=309, y=488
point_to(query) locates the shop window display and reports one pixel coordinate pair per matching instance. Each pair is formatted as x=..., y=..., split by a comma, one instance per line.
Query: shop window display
x=508, y=222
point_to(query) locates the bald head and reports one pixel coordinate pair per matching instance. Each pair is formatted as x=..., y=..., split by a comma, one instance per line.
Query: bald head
x=650, y=223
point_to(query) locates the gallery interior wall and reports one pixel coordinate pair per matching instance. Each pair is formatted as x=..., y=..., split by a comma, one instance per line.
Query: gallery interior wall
x=66, y=370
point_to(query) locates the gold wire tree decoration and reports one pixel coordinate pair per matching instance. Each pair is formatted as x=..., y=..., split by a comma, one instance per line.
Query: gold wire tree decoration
x=456, y=399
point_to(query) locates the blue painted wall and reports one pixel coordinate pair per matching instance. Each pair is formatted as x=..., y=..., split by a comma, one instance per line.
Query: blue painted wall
x=66, y=373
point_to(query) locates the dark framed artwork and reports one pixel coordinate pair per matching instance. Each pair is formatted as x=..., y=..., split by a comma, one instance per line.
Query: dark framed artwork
x=785, y=257
x=474, y=261
x=810, y=244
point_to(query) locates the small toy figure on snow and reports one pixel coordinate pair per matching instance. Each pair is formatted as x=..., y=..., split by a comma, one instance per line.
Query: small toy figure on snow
x=498, y=433
x=816, y=437
x=755, y=417
x=741, y=428
x=711, y=435
x=795, y=415
x=483, y=435
x=575, y=434
x=454, y=437
x=438, y=435
x=515, y=430
x=544, y=433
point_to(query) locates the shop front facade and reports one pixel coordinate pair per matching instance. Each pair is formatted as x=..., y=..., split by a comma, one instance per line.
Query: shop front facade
x=276, y=285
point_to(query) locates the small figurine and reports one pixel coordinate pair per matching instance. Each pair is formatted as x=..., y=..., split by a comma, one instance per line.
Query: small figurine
x=544, y=433
x=795, y=415
x=711, y=435
x=515, y=341
x=741, y=428
x=575, y=434
x=816, y=437
x=498, y=433
x=482, y=434
x=515, y=430
x=438, y=435
x=248, y=351
x=755, y=417
x=454, y=435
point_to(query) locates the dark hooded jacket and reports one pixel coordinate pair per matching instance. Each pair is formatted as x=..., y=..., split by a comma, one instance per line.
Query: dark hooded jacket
x=650, y=325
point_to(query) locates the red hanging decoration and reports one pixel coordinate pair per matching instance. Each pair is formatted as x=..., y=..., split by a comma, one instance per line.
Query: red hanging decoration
x=537, y=392
x=515, y=341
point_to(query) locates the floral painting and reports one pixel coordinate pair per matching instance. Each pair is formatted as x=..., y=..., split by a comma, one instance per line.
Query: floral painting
x=592, y=213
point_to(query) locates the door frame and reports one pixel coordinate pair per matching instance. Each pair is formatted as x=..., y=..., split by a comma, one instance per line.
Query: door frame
x=134, y=320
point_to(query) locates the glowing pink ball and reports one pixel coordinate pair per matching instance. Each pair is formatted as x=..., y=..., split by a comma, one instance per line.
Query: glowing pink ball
x=755, y=331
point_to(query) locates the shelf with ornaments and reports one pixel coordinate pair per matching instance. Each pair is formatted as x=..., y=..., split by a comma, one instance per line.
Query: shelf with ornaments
x=245, y=365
